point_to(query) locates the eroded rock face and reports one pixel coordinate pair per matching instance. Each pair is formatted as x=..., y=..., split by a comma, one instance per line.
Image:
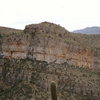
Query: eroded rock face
x=47, y=42
x=44, y=53
x=16, y=46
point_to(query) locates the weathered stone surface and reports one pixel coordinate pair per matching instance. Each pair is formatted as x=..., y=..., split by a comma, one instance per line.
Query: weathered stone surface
x=45, y=52
x=49, y=42
x=15, y=46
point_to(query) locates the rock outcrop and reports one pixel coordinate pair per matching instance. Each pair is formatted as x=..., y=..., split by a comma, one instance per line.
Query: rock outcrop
x=48, y=42
x=15, y=46
x=31, y=59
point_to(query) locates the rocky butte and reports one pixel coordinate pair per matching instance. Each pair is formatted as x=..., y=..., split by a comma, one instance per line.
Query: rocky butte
x=52, y=43
x=32, y=58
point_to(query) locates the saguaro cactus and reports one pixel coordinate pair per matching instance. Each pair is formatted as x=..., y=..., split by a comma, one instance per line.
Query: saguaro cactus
x=53, y=91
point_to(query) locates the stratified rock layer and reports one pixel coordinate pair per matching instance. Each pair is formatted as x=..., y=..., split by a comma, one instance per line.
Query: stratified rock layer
x=48, y=42
x=31, y=59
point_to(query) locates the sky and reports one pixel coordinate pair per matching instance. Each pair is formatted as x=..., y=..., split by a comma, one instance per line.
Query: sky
x=71, y=14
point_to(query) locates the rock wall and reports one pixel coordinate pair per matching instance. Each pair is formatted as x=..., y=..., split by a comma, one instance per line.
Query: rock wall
x=47, y=42
x=15, y=46
x=42, y=53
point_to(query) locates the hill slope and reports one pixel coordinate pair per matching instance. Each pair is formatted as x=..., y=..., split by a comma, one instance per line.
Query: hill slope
x=89, y=30
x=52, y=43
x=31, y=59
x=30, y=79
x=7, y=31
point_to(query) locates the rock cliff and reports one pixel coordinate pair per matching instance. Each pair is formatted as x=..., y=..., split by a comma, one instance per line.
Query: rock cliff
x=31, y=59
x=52, y=43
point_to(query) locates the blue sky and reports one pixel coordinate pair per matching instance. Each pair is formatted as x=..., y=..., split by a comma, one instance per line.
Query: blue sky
x=71, y=14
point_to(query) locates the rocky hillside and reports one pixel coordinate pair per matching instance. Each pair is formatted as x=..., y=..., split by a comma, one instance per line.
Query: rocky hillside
x=30, y=80
x=31, y=59
x=7, y=31
x=52, y=43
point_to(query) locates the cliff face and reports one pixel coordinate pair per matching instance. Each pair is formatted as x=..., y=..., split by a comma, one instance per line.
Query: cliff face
x=15, y=46
x=31, y=59
x=47, y=42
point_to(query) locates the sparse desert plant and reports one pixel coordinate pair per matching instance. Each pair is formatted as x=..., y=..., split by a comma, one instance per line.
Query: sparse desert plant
x=53, y=91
